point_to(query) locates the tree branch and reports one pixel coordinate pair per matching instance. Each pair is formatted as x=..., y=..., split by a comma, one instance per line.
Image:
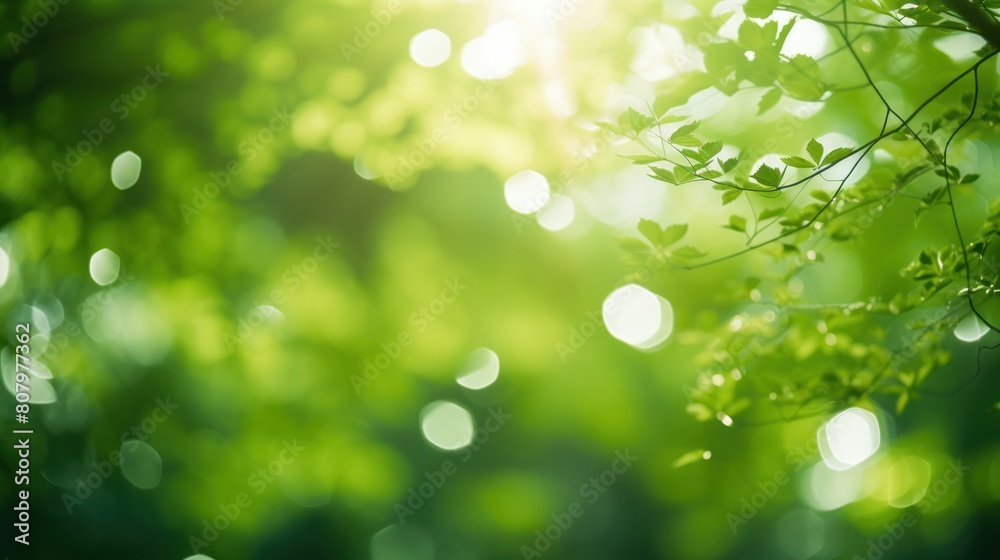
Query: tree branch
x=977, y=18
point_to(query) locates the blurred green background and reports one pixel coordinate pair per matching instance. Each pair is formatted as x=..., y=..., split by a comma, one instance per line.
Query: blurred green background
x=255, y=309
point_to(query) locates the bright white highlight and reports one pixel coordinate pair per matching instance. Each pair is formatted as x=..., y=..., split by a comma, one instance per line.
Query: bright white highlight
x=909, y=479
x=497, y=53
x=637, y=316
x=447, y=425
x=141, y=464
x=430, y=48
x=826, y=489
x=849, y=438
x=526, y=192
x=661, y=53
x=480, y=370
x=971, y=329
x=558, y=213
x=4, y=267
x=104, y=266
x=125, y=170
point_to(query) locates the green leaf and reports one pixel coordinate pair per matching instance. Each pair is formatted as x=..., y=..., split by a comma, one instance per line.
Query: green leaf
x=904, y=398
x=684, y=131
x=796, y=161
x=689, y=141
x=800, y=78
x=633, y=244
x=642, y=159
x=673, y=234
x=710, y=150
x=722, y=59
x=953, y=25
x=769, y=213
x=687, y=252
x=638, y=121
x=871, y=5
x=767, y=176
x=756, y=37
x=691, y=457
x=821, y=196
x=836, y=155
x=815, y=150
x=667, y=119
x=903, y=179
x=624, y=121
x=769, y=100
x=737, y=223
x=700, y=411
x=759, y=9
x=693, y=155
x=730, y=195
x=730, y=164
x=651, y=231
x=970, y=178
x=783, y=34
x=663, y=175
x=682, y=174
x=933, y=196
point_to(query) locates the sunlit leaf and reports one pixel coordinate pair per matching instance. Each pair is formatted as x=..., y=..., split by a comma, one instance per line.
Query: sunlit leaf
x=799, y=162
x=768, y=100
x=672, y=234
x=836, y=155
x=767, y=176
x=759, y=8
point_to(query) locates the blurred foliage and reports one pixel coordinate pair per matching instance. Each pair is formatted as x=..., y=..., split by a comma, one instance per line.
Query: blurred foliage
x=308, y=193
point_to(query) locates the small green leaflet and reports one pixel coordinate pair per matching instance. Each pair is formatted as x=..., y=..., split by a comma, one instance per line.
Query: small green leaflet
x=662, y=237
x=700, y=411
x=673, y=234
x=836, y=155
x=769, y=213
x=642, y=159
x=757, y=38
x=685, y=130
x=664, y=175
x=737, y=223
x=687, y=252
x=638, y=121
x=800, y=76
x=815, y=150
x=730, y=195
x=767, y=176
x=633, y=245
x=650, y=230
x=710, y=150
x=796, y=161
x=769, y=100
x=760, y=8
x=729, y=164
